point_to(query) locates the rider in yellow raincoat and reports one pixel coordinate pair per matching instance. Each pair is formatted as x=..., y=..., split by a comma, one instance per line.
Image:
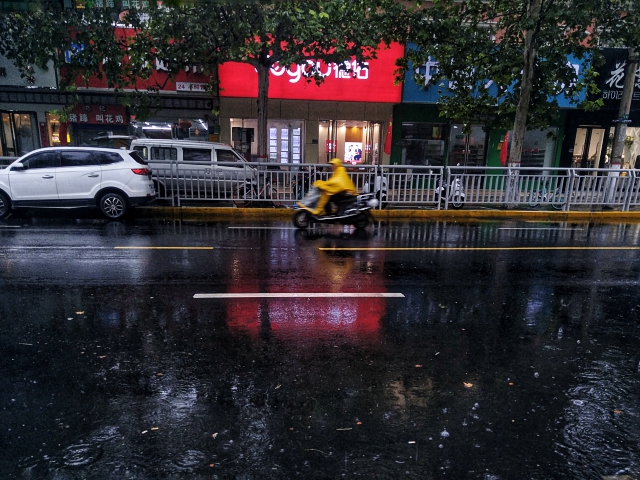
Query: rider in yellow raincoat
x=339, y=182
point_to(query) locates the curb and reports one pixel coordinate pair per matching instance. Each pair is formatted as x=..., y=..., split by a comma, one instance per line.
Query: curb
x=232, y=213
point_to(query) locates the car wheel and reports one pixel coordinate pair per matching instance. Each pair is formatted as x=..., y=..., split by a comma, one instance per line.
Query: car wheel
x=113, y=205
x=5, y=205
x=302, y=219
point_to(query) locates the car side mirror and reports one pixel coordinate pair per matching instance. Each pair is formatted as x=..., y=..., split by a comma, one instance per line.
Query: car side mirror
x=17, y=166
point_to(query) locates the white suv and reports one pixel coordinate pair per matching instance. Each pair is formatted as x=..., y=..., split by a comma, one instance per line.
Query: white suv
x=68, y=177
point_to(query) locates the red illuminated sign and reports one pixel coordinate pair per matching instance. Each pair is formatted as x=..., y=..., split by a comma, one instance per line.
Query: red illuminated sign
x=372, y=84
x=375, y=83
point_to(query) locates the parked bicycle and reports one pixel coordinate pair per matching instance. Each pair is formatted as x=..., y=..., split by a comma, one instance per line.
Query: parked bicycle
x=245, y=195
x=543, y=196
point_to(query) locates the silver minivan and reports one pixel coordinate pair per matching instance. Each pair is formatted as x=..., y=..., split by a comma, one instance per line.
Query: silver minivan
x=195, y=169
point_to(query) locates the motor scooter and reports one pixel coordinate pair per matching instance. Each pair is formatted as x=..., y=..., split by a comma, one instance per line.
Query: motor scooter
x=379, y=186
x=451, y=193
x=344, y=209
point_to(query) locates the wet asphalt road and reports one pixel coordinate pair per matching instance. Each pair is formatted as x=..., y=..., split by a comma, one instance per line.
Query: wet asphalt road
x=513, y=352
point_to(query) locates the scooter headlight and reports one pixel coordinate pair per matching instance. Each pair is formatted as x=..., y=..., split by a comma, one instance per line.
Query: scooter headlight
x=373, y=203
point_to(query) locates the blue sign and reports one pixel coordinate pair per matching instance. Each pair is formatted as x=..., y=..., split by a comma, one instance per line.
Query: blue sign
x=421, y=93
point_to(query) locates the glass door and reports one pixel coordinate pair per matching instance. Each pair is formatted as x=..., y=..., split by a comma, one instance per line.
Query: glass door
x=285, y=142
x=467, y=148
x=588, y=149
x=8, y=145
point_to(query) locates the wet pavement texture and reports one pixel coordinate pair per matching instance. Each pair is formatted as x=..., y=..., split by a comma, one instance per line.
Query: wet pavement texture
x=513, y=354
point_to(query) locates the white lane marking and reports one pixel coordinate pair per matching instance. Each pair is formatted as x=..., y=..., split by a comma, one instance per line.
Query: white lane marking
x=539, y=228
x=299, y=295
x=262, y=228
x=10, y=226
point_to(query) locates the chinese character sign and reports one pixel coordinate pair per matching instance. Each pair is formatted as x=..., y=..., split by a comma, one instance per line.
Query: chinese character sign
x=99, y=115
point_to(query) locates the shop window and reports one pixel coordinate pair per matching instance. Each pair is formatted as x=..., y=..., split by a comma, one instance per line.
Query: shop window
x=539, y=148
x=19, y=133
x=422, y=144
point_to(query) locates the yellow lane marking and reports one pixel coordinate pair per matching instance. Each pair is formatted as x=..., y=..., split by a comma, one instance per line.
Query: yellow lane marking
x=299, y=295
x=163, y=248
x=466, y=249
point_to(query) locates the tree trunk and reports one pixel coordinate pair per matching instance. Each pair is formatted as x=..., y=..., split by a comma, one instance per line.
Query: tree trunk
x=522, y=110
x=263, y=103
x=623, y=111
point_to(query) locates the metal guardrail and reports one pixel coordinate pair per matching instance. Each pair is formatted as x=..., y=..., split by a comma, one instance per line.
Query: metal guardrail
x=263, y=184
x=5, y=161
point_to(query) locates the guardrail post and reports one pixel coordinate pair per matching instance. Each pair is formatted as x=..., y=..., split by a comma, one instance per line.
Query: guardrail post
x=569, y=194
x=627, y=198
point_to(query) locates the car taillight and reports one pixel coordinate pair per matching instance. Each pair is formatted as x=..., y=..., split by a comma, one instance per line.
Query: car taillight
x=141, y=171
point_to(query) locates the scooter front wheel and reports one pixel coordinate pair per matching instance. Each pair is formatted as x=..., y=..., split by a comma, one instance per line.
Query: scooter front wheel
x=457, y=202
x=361, y=221
x=302, y=219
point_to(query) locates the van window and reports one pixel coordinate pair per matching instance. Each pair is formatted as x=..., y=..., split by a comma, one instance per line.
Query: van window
x=142, y=151
x=228, y=156
x=164, y=153
x=196, y=155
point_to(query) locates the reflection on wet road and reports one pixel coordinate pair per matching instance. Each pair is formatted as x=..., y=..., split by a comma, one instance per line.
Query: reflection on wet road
x=169, y=349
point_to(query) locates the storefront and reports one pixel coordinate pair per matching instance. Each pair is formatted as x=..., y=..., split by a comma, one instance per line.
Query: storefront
x=24, y=108
x=422, y=137
x=589, y=135
x=345, y=116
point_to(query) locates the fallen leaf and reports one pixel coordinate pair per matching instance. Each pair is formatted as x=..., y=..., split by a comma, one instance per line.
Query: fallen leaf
x=278, y=386
x=617, y=412
x=467, y=385
x=358, y=423
x=214, y=435
x=418, y=366
x=79, y=313
x=155, y=428
x=511, y=383
x=159, y=374
x=211, y=465
x=102, y=356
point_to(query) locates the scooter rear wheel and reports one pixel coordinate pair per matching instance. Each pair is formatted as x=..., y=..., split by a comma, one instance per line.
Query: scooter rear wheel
x=302, y=219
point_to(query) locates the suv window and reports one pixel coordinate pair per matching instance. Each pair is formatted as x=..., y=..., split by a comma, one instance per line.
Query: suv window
x=41, y=160
x=78, y=158
x=227, y=156
x=136, y=156
x=196, y=155
x=109, y=158
x=164, y=153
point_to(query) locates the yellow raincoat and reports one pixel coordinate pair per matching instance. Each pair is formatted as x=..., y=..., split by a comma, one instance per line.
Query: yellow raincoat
x=339, y=182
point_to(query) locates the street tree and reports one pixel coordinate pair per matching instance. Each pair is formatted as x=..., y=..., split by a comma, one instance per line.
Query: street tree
x=123, y=47
x=619, y=26
x=505, y=61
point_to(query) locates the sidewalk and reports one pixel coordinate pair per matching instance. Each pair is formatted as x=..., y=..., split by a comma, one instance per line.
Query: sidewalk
x=391, y=214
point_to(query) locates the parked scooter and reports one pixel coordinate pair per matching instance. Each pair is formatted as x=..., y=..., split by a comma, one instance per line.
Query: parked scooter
x=344, y=209
x=451, y=193
x=379, y=187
